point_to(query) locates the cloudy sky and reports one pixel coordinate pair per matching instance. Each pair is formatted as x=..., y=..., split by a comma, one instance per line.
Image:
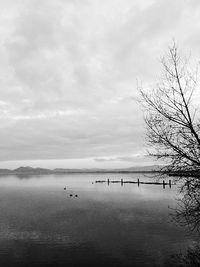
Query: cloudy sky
x=69, y=72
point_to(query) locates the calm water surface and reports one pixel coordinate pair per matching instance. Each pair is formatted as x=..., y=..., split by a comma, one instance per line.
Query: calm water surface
x=106, y=225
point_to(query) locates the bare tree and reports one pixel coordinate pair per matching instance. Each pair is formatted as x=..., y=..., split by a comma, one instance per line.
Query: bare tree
x=173, y=129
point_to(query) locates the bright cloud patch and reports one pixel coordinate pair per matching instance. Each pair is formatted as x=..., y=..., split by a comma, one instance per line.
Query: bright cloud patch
x=69, y=73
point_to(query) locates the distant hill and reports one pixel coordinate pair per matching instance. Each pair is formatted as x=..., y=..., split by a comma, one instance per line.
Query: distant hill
x=144, y=168
x=5, y=171
x=39, y=171
x=30, y=170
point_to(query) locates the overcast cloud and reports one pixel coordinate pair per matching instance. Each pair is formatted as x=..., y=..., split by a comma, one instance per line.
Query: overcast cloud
x=69, y=71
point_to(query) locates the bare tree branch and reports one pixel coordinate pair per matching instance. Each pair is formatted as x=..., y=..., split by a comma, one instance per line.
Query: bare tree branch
x=173, y=130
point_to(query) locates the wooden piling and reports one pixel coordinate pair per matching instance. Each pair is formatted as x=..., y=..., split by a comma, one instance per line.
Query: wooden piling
x=138, y=182
x=163, y=184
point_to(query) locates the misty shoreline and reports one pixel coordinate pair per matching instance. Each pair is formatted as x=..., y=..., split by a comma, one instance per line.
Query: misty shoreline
x=43, y=171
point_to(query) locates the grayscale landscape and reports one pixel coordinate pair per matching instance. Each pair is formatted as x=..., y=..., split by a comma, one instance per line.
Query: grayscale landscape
x=99, y=133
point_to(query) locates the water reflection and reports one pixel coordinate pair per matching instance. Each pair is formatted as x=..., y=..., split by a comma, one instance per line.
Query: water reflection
x=187, y=214
x=41, y=225
x=191, y=257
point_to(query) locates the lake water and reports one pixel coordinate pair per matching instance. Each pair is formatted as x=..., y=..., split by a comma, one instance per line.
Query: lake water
x=105, y=225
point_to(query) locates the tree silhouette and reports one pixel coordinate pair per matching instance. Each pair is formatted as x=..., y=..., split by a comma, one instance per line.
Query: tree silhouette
x=173, y=129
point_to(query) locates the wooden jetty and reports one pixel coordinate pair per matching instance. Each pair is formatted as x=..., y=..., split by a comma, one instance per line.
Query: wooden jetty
x=138, y=182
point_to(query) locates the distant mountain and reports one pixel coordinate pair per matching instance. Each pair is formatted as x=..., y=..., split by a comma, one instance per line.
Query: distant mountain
x=145, y=168
x=30, y=170
x=38, y=171
x=5, y=171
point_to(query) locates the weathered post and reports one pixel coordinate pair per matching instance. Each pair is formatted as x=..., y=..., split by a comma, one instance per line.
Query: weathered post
x=138, y=181
x=170, y=183
x=122, y=182
x=163, y=184
x=108, y=181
